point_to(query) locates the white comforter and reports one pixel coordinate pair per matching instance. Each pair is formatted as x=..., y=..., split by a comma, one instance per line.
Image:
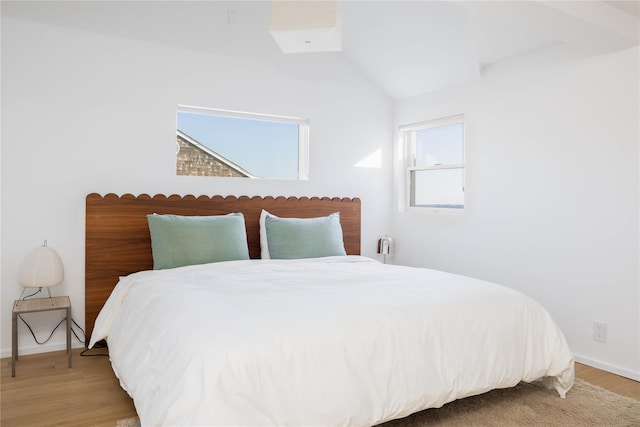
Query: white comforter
x=319, y=342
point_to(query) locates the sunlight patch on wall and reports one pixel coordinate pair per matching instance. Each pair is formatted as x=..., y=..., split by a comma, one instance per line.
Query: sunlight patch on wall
x=373, y=160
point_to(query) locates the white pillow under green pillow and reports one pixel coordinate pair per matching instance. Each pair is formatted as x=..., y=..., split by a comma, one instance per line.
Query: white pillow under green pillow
x=264, y=245
x=178, y=240
x=293, y=238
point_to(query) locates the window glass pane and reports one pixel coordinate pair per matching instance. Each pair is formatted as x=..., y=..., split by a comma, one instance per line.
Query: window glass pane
x=440, y=145
x=438, y=188
x=218, y=145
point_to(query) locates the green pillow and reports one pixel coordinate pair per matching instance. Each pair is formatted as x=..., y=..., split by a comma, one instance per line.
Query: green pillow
x=291, y=238
x=177, y=240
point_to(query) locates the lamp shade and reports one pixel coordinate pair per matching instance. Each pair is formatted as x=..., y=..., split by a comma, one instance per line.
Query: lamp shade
x=41, y=268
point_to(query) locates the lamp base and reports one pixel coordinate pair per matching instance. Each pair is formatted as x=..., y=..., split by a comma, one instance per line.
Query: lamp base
x=39, y=290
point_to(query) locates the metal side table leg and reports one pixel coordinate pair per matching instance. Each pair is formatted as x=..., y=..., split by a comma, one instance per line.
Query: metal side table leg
x=69, y=335
x=14, y=343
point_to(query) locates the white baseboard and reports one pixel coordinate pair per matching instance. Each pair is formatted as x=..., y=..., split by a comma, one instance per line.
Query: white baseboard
x=35, y=349
x=580, y=359
x=607, y=367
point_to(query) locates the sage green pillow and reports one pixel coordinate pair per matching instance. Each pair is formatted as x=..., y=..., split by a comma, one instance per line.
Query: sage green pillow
x=292, y=238
x=178, y=240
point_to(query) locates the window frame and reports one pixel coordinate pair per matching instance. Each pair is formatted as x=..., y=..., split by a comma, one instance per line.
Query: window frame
x=408, y=140
x=303, y=132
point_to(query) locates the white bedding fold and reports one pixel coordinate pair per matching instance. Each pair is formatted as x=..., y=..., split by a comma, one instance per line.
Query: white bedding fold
x=326, y=341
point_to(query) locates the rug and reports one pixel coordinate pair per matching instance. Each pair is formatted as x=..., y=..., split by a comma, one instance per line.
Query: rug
x=526, y=405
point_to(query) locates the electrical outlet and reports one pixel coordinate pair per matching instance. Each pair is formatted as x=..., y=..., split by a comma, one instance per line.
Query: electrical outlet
x=600, y=331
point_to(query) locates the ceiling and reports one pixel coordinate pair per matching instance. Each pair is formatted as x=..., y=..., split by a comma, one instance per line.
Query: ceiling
x=414, y=47
x=405, y=48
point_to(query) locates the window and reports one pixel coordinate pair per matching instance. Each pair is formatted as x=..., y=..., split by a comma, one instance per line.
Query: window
x=245, y=145
x=435, y=164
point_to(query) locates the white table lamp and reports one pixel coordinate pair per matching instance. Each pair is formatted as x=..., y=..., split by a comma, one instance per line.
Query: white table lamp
x=41, y=268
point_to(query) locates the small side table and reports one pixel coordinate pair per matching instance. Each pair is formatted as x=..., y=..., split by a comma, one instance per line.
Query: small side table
x=32, y=306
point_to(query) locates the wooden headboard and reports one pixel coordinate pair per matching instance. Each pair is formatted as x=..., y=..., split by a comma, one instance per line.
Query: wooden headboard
x=117, y=240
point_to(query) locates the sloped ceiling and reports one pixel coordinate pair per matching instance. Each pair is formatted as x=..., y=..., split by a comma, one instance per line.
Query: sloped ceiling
x=405, y=48
x=414, y=47
x=409, y=48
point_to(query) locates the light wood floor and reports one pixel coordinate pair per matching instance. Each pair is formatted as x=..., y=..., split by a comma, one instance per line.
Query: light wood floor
x=45, y=392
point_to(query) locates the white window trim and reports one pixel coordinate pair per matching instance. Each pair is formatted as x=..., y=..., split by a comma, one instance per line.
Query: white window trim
x=409, y=162
x=303, y=153
x=303, y=134
x=242, y=115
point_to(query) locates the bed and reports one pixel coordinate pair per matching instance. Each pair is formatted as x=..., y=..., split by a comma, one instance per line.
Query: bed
x=310, y=334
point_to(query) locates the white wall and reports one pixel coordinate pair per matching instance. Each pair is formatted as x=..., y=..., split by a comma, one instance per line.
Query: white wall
x=86, y=111
x=552, y=152
x=552, y=157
